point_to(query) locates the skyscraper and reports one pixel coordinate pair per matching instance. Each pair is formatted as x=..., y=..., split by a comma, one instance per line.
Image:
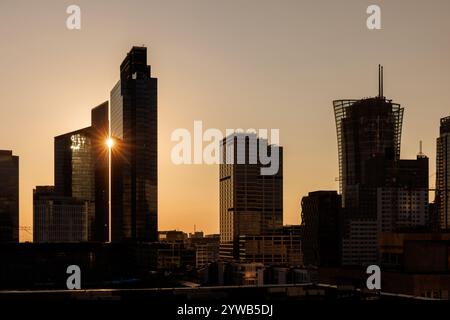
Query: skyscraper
x=401, y=193
x=251, y=204
x=369, y=137
x=100, y=133
x=81, y=169
x=9, y=197
x=134, y=175
x=366, y=128
x=443, y=174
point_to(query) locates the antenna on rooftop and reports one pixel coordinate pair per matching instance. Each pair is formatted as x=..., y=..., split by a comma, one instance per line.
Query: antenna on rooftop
x=380, y=81
x=420, y=155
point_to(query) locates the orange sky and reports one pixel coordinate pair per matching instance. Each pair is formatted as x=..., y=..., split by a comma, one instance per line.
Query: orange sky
x=231, y=64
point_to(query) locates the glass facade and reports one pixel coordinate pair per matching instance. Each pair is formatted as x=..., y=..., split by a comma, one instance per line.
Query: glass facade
x=9, y=197
x=60, y=219
x=443, y=174
x=366, y=129
x=134, y=155
x=74, y=168
x=81, y=170
x=250, y=203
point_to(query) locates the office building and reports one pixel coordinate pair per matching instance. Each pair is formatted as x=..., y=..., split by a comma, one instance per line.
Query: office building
x=250, y=203
x=82, y=169
x=59, y=218
x=366, y=128
x=172, y=236
x=359, y=240
x=281, y=250
x=401, y=191
x=320, y=221
x=9, y=197
x=443, y=174
x=134, y=179
x=206, y=247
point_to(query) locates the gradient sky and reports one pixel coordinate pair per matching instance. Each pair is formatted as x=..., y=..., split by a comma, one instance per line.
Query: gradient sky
x=231, y=64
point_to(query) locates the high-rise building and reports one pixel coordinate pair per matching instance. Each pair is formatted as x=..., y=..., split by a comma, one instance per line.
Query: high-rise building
x=134, y=175
x=369, y=137
x=401, y=193
x=320, y=221
x=81, y=169
x=366, y=128
x=443, y=174
x=251, y=204
x=100, y=133
x=359, y=240
x=9, y=197
x=74, y=165
x=58, y=218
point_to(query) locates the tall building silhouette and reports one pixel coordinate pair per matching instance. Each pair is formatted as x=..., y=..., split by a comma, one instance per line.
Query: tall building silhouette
x=443, y=174
x=401, y=193
x=9, y=197
x=369, y=137
x=81, y=169
x=320, y=221
x=366, y=128
x=251, y=204
x=134, y=180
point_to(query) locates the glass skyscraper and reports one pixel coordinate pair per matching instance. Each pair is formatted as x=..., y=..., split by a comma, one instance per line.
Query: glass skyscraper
x=251, y=204
x=443, y=174
x=9, y=197
x=81, y=169
x=366, y=128
x=134, y=175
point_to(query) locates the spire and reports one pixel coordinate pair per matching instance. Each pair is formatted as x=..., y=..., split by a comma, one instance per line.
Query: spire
x=380, y=81
x=421, y=154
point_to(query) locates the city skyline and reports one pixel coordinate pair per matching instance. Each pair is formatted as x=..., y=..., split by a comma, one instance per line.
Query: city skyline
x=187, y=96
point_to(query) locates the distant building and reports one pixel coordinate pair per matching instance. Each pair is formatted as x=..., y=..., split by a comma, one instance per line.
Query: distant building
x=395, y=194
x=366, y=128
x=175, y=256
x=271, y=250
x=422, y=252
x=9, y=197
x=443, y=174
x=134, y=175
x=206, y=247
x=250, y=203
x=401, y=192
x=172, y=236
x=321, y=235
x=59, y=218
x=82, y=170
x=359, y=240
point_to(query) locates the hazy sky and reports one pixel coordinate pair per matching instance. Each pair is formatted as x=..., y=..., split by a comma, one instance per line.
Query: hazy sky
x=231, y=64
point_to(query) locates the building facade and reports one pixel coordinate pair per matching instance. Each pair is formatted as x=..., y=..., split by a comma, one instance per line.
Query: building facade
x=281, y=250
x=82, y=169
x=366, y=128
x=206, y=248
x=360, y=241
x=60, y=219
x=443, y=174
x=9, y=197
x=134, y=178
x=250, y=203
x=321, y=221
